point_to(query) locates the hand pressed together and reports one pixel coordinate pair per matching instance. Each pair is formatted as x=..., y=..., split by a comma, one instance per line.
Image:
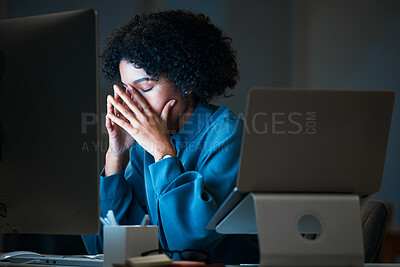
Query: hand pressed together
x=130, y=118
x=119, y=140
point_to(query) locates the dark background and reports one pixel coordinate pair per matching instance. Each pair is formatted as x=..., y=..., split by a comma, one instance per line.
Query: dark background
x=339, y=44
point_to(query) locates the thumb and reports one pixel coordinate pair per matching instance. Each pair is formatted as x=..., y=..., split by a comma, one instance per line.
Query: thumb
x=167, y=108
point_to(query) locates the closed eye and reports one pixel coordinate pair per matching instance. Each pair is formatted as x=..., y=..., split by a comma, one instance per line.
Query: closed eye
x=143, y=90
x=143, y=83
x=147, y=90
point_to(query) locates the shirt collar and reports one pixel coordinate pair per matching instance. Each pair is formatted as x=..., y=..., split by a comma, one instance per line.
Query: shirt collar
x=193, y=127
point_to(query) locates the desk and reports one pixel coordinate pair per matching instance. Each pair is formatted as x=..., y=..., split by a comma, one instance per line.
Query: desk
x=391, y=245
x=245, y=265
x=365, y=265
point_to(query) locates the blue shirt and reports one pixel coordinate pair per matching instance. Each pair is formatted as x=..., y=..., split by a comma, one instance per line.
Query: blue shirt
x=182, y=193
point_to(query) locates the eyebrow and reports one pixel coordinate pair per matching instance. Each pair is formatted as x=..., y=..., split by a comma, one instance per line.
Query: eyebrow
x=141, y=80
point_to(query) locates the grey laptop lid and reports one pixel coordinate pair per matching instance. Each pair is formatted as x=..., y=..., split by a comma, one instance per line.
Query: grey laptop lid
x=315, y=140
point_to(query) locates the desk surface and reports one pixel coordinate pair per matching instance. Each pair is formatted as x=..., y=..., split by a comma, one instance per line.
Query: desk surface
x=244, y=265
x=365, y=265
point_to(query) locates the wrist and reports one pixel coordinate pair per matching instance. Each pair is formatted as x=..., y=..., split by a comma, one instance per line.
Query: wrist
x=116, y=157
x=160, y=154
x=114, y=163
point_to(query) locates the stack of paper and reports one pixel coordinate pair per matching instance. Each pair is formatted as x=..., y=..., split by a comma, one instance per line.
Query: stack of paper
x=153, y=260
x=163, y=260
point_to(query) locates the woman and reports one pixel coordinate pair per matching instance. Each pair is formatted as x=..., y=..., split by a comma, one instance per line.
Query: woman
x=172, y=155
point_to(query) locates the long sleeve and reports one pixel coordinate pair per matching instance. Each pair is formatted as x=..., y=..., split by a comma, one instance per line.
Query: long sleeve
x=186, y=200
x=117, y=194
x=181, y=193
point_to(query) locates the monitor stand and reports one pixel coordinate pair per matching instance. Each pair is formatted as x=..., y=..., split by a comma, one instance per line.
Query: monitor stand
x=300, y=229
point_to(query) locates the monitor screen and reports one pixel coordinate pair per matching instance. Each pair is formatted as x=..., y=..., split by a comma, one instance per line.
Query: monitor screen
x=48, y=124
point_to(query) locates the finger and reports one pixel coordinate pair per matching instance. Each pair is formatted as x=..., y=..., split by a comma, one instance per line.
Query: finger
x=123, y=103
x=167, y=108
x=147, y=110
x=116, y=93
x=110, y=110
x=109, y=124
x=117, y=97
x=129, y=94
x=124, y=111
x=139, y=99
x=126, y=107
x=132, y=106
x=123, y=124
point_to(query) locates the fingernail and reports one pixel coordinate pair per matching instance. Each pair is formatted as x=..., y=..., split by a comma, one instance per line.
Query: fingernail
x=173, y=102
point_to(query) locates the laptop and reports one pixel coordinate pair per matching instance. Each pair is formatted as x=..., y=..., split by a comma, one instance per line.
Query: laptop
x=312, y=141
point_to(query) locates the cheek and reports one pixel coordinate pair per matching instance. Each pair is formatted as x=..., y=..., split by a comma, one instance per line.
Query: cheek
x=177, y=111
x=159, y=97
x=156, y=102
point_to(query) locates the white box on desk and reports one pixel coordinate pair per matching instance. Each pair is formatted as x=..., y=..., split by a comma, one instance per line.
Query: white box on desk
x=125, y=241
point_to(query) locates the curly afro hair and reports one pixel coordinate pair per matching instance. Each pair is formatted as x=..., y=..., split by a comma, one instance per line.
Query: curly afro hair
x=184, y=47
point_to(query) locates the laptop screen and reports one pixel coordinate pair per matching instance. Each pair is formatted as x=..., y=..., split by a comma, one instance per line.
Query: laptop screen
x=315, y=140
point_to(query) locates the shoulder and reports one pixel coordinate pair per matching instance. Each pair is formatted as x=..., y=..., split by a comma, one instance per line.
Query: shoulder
x=223, y=117
x=222, y=124
x=222, y=134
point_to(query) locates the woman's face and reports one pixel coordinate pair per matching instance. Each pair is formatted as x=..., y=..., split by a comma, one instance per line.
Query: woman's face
x=157, y=93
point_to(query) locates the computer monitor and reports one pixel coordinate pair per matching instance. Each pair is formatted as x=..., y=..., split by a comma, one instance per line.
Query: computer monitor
x=49, y=131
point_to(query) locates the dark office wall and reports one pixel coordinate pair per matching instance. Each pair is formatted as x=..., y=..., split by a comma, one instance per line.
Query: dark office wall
x=261, y=34
x=3, y=9
x=353, y=45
